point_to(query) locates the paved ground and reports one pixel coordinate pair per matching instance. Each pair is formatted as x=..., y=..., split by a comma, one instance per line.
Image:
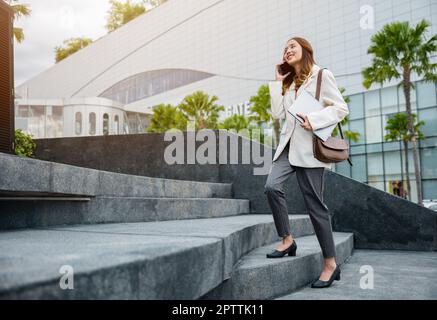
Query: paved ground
x=398, y=275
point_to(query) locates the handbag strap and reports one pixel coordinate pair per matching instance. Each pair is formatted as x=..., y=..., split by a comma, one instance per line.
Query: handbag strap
x=318, y=90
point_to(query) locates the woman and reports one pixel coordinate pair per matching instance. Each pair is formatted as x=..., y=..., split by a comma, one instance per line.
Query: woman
x=295, y=152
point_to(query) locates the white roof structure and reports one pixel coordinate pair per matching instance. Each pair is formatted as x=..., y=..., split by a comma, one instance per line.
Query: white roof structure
x=227, y=48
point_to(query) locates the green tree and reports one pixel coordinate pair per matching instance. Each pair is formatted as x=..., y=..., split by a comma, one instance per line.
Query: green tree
x=351, y=135
x=236, y=122
x=20, y=10
x=398, y=51
x=121, y=13
x=397, y=128
x=166, y=117
x=259, y=110
x=24, y=144
x=70, y=46
x=201, y=109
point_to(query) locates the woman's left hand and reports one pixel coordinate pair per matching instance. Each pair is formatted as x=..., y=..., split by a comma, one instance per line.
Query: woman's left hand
x=306, y=125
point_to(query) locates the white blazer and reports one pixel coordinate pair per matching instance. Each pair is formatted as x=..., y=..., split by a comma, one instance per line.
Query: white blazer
x=301, y=143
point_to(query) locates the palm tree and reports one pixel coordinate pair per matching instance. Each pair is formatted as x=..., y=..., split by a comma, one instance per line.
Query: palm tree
x=397, y=128
x=236, y=122
x=259, y=110
x=203, y=110
x=71, y=46
x=398, y=51
x=166, y=117
x=20, y=10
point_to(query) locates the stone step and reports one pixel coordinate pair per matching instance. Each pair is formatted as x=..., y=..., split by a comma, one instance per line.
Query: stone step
x=257, y=278
x=28, y=177
x=35, y=214
x=181, y=259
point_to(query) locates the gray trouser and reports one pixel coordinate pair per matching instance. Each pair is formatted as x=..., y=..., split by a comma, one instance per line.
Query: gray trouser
x=310, y=182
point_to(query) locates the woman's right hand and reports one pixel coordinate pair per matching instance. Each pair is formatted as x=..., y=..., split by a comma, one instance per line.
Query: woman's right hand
x=280, y=77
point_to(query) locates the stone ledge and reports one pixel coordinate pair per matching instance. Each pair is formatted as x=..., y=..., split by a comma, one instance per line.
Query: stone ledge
x=19, y=214
x=31, y=176
x=156, y=260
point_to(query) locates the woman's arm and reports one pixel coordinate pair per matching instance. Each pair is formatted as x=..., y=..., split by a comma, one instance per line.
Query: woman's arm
x=276, y=99
x=336, y=108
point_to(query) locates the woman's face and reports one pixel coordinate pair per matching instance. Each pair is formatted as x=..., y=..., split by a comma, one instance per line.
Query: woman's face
x=293, y=52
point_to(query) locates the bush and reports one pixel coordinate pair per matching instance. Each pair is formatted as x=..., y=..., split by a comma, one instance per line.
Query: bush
x=24, y=145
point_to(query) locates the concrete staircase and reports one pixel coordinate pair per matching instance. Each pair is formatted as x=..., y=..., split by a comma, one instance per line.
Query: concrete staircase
x=37, y=193
x=131, y=237
x=255, y=277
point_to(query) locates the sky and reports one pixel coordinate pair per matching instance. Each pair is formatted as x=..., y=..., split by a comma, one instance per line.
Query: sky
x=51, y=22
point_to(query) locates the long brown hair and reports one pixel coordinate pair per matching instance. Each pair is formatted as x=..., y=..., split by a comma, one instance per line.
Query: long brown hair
x=307, y=63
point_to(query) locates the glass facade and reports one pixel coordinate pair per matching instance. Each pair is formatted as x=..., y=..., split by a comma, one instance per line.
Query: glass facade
x=136, y=122
x=381, y=163
x=105, y=124
x=150, y=83
x=40, y=121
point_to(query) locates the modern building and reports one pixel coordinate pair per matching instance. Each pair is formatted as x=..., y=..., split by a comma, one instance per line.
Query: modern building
x=229, y=49
x=7, y=79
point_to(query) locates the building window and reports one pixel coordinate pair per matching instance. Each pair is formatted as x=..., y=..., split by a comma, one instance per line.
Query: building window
x=117, y=124
x=54, y=122
x=375, y=168
x=343, y=168
x=92, y=124
x=429, y=165
x=356, y=106
x=359, y=171
x=426, y=94
x=373, y=130
x=146, y=84
x=372, y=104
x=358, y=126
x=429, y=189
x=389, y=100
x=105, y=124
x=78, y=124
x=393, y=166
x=429, y=115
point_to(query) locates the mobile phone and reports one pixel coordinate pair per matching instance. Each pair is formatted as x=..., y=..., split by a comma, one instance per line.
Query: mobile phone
x=284, y=68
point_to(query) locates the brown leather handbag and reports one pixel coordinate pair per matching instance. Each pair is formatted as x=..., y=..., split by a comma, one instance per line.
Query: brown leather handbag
x=332, y=150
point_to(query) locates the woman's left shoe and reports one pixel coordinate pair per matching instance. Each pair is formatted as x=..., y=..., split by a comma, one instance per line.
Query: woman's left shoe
x=325, y=284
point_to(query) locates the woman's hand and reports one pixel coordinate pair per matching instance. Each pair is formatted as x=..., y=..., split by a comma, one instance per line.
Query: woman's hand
x=306, y=125
x=280, y=77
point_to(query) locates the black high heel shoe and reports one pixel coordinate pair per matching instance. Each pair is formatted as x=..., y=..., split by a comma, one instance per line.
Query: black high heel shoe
x=325, y=284
x=291, y=251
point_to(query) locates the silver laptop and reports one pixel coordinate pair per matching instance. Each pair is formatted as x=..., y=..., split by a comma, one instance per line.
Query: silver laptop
x=305, y=104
